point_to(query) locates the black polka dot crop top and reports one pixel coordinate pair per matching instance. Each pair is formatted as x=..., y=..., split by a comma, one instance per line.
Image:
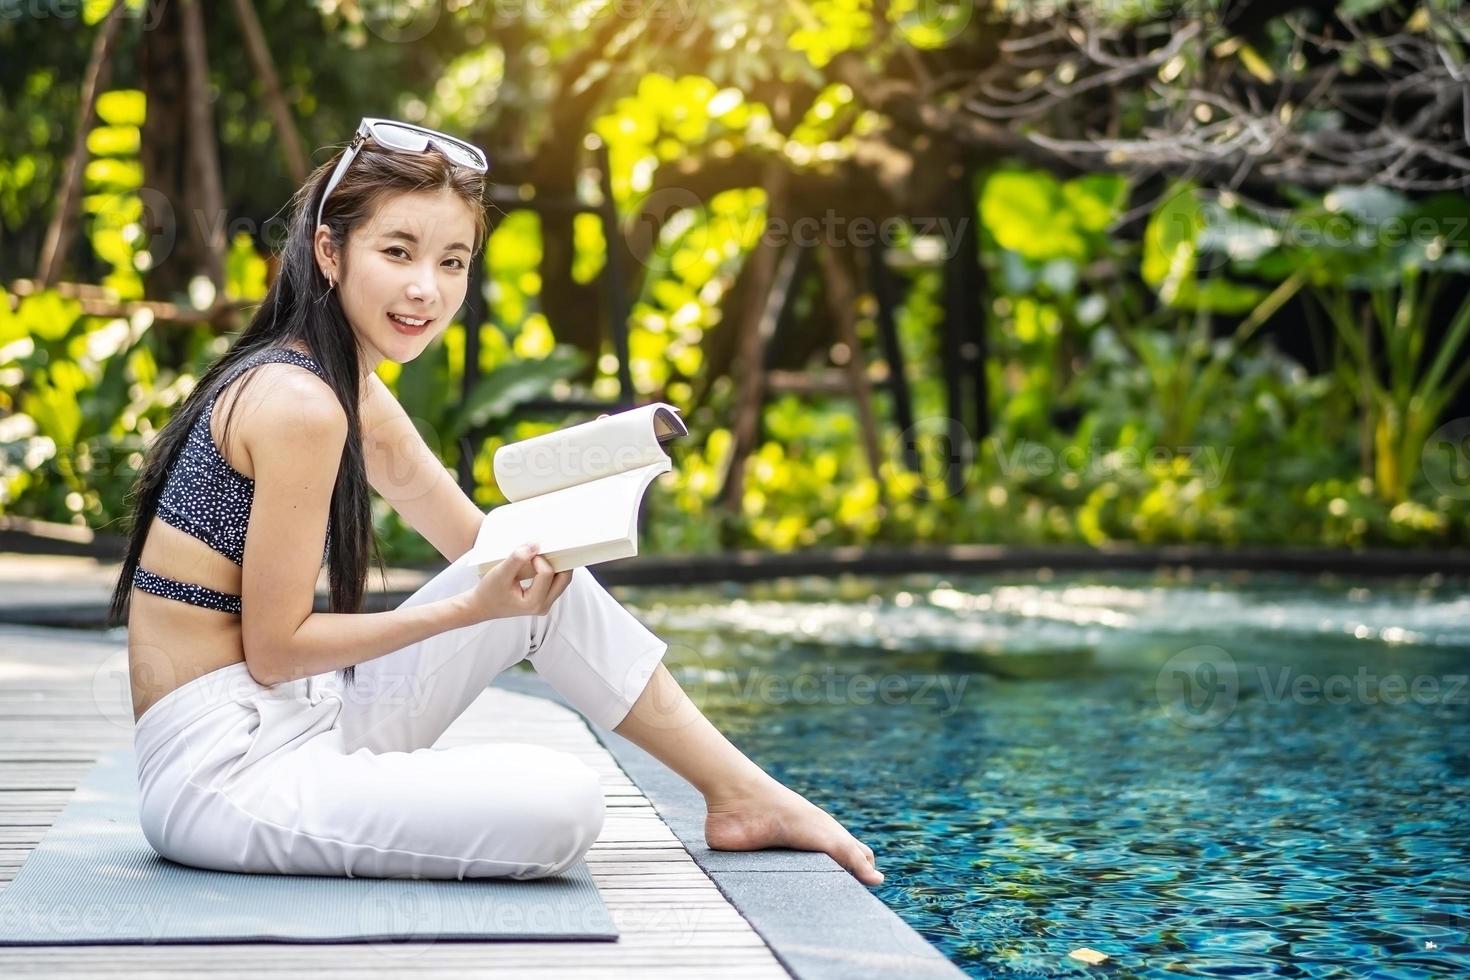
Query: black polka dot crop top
x=206, y=497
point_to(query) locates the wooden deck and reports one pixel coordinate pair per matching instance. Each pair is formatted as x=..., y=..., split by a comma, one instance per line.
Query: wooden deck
x=63, y=702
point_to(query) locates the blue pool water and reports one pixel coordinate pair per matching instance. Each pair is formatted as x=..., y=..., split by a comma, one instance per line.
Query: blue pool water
x=1215, y=776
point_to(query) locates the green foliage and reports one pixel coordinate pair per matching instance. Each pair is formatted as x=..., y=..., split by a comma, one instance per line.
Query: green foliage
x=1133, y=396
x=1171, y=253
x=112, y=179
x=1042, y=219
x=1378, y=263
x=81, y=393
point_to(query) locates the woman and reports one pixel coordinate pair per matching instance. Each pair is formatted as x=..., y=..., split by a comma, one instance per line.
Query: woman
x=275, y=739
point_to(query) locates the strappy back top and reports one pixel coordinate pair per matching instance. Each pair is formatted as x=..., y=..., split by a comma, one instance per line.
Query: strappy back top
x=204, y=496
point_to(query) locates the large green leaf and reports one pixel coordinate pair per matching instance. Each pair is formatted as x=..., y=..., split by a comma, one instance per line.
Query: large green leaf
x=103, y=402
x=12, y=327
x=1025, y=213
x=48, y=315
x=53, y=402
x=497, y=395
x=1096, y=200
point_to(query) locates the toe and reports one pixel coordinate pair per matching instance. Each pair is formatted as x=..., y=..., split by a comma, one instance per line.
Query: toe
x=859, y=863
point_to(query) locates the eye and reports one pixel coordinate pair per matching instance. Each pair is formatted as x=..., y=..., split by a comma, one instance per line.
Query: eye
x=459, y=263
x=396, y=248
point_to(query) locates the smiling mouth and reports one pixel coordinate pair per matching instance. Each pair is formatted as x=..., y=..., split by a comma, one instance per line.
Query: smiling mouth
x=409, y=322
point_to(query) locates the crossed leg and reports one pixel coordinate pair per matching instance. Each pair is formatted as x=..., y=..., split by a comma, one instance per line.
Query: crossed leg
x=609, y=666
x=373, y=796
x=588, y=647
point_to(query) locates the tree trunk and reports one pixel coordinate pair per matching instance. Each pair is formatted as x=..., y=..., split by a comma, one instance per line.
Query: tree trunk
x=174, y=251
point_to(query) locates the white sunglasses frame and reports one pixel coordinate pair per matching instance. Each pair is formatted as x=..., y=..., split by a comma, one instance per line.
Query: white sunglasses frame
x=432, y=137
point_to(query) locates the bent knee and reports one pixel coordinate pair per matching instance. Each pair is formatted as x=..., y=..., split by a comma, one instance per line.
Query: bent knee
x=574, y=818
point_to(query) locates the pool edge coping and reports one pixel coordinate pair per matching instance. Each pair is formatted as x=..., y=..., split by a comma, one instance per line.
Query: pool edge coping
x=819, y=921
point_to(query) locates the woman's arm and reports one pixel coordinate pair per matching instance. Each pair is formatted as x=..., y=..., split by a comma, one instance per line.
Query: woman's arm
x=294, y=431
x=404, y=471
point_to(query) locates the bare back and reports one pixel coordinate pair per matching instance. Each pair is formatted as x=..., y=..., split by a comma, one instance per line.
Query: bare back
x=171, y=643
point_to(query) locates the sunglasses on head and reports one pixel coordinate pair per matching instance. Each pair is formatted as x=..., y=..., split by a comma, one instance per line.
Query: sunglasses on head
x=408, y=138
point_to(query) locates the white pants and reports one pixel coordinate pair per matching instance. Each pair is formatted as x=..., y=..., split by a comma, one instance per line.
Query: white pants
x=316, y=777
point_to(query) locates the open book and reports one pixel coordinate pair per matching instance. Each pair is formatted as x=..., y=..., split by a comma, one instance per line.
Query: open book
x=576, y=491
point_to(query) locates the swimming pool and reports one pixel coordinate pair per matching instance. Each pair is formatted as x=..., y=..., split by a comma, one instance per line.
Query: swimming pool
x=1211, y=775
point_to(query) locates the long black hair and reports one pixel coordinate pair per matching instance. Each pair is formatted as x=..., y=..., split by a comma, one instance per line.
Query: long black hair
x=302, y=308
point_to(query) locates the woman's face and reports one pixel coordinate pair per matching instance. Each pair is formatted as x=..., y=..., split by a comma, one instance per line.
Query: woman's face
x=406, y=273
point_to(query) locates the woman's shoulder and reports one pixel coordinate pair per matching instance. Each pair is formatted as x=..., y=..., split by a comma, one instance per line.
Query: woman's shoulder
x=288, y=402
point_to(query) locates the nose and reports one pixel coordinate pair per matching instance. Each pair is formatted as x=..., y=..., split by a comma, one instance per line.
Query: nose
x=423, y=287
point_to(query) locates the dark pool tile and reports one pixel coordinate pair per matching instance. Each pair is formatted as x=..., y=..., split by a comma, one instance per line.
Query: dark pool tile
x=823, y=925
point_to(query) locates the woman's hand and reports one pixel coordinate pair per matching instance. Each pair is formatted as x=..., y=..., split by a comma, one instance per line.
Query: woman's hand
x=498, y=595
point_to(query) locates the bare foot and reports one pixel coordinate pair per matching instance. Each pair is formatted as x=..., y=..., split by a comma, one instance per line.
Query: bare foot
x=771, y=815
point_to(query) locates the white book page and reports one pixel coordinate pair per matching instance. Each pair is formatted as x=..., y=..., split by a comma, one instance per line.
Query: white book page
x=588, y=518
x=582, y=453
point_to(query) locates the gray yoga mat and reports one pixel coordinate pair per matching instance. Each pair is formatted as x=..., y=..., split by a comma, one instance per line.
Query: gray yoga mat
x=95, y=879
